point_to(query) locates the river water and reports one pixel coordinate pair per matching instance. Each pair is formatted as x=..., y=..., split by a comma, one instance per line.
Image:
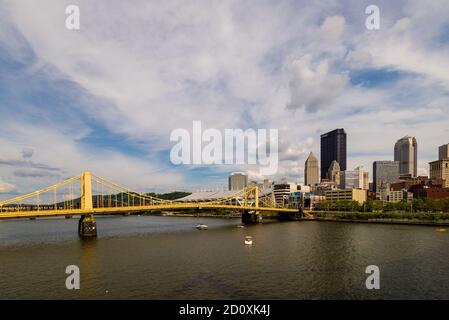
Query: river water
x=150, y=257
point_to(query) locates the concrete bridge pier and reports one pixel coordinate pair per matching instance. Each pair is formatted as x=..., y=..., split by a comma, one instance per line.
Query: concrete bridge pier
x=87, y=226
x=250, y=217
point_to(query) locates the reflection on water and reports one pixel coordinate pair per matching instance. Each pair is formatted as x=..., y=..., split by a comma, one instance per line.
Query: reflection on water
x=167, y=258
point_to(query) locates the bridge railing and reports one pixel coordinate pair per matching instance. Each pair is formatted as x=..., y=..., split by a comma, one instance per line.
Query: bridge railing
x=60, y=196
x=74, y=193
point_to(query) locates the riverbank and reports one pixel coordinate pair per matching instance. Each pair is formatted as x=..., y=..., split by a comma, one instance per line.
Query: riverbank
x=203, y=214
x=425, y=219
x=200, y=215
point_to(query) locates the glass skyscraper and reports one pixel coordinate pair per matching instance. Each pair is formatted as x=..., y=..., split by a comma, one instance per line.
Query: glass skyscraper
x=333, y=147
x=384, y=172
x=406, y=153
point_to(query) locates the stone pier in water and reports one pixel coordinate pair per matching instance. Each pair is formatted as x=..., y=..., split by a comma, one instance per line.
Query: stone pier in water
x=87, y=226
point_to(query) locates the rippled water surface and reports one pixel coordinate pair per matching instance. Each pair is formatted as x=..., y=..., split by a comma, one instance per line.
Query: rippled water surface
x=167, y=258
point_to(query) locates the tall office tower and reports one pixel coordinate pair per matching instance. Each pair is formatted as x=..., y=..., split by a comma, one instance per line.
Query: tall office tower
x=334, y=173
x=333, y=147
x=365, y=180
x=238, y=181
x=354, y=179
x=406, y=153
x=311, y=171
x=443, y=152
x=384, y=172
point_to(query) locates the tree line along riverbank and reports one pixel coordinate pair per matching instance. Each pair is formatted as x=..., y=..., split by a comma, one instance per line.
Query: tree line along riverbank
x=418, y=205
x=417, y=211
x=417, y=218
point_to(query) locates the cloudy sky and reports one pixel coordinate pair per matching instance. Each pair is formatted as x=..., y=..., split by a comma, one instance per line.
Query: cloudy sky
x=105, y=98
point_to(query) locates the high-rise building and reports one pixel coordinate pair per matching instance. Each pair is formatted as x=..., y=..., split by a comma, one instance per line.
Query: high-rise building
x=333, y=147
x=384, y=172
x=282, y=191
x=440, y=170
x=406, y=153
x=311, y=171
x=354, y=179
x=266, y=183
x=365, y=180
x=238, y=181
x=334, y=173
x=443, y=152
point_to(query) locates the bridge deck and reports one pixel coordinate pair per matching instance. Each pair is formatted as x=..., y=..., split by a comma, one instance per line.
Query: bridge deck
x=112, y=210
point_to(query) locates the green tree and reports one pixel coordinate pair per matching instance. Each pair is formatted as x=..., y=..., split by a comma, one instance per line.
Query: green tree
x=445, y=204
x=418, y=205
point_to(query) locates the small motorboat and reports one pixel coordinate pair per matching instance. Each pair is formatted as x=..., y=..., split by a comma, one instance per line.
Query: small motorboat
x=240, y=226
x=441, y=230
x=202, y=226
x=248, y=240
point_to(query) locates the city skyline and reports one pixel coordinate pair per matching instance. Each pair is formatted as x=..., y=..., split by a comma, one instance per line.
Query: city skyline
x=221, y=157
x=110, y=104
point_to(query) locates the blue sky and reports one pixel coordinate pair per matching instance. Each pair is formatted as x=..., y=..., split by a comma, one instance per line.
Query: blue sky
x=105, y=98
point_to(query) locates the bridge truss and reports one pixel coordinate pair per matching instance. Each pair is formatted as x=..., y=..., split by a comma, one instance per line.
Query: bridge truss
x=89, y=194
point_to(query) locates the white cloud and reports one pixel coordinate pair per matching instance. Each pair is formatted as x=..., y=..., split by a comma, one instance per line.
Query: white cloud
x=332, y=29
x=409, y=44
x=313, y=89
x=152, y=67
x=62, y=153
x=6, y=187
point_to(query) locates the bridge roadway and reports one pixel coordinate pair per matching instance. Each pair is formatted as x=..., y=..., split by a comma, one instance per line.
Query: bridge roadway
x=12, y=208
x=113, y=210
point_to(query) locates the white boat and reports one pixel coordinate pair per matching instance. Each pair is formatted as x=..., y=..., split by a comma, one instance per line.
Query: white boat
x=202, y=226
x=248, y=240
x=240, y=226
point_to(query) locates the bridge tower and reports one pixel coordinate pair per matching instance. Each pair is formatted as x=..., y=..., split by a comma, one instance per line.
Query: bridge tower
x=87, y=226
x=249, y=217
x=86, y=191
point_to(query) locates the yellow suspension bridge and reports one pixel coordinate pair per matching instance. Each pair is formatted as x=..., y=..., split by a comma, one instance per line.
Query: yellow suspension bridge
x=88, y=194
